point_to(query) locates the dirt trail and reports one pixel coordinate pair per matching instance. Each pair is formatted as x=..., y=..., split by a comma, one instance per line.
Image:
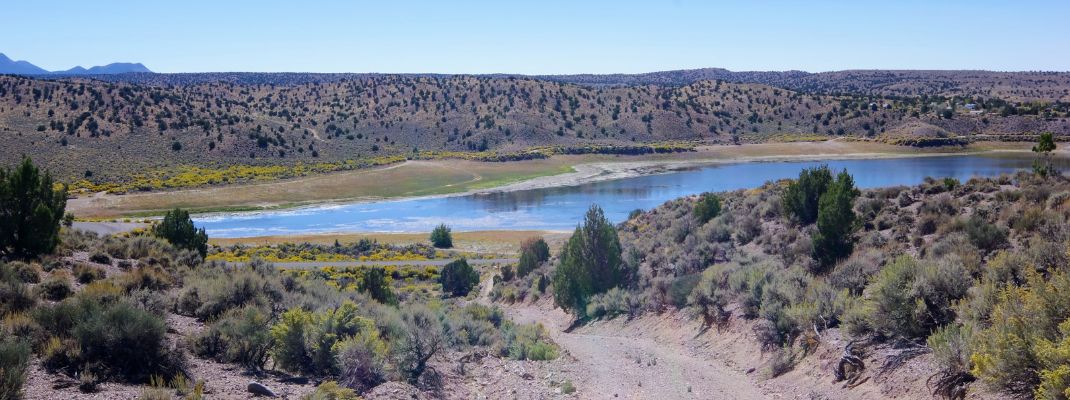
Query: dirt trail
x=615, y=363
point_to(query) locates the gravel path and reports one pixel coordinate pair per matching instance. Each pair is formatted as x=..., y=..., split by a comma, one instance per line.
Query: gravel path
x=612, y=363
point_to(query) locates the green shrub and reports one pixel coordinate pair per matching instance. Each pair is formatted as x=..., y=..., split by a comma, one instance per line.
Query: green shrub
x=237, y=337
x=612, y=303
x=910, y=299
x=212, y=290
x=14, y=360
x=528, y=342
x=331, y=391
x=458, y=278
x=374, y=282
x=1025, y=346
x=590, y=263
x=291, y=335
x=951, y=348
x=125, y=342
x=148, y=278
x=178, y=229
x=441, y=237
x=307, y=342
x=362, y=361
x=31, y=210
x=533, y=252
x=100, y=257
x=419, y=339
x=15, y=297
x=800, y=200
x=707, y=207
x=507, y=273
x=86, y=273
x=57, y=287
x=23, y=272
x=984, y=235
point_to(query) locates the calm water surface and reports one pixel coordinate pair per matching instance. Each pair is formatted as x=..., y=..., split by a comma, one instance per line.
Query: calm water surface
x=563, y=207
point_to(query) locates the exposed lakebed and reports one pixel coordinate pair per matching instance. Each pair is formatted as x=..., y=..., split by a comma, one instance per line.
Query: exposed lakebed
x=561, y=208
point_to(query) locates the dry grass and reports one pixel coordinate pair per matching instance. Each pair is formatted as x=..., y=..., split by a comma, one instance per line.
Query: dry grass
x=414, y=178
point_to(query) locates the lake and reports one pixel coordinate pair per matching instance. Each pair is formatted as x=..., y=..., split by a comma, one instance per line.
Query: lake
x=561, y=208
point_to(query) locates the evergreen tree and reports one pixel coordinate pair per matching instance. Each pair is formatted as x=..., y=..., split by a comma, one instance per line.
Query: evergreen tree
x=833, y=240
x=590, y=263
x=177, y=228
x=802, y=196
x=31, y=210
x=458, y=278
x=441, y=237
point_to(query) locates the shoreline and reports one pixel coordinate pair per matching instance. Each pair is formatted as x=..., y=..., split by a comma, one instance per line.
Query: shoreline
x=593, y=172
x=279, y=197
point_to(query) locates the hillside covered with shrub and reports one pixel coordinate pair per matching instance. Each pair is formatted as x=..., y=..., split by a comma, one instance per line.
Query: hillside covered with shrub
x=111, y=131
x=973, y=275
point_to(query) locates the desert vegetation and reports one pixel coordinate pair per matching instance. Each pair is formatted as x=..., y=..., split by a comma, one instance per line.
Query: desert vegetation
x=220, y=131
x=146, y=310
x=972, y=272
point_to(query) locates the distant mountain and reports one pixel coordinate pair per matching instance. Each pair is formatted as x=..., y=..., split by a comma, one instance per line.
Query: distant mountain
x=8, y=66
x=113, y=68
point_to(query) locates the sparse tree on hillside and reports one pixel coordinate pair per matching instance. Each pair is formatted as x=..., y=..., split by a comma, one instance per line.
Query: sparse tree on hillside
x=707, y=207
x=178, y=228
x=802, y=196
x=31, y=210
x=590, y=263
x=835, y=222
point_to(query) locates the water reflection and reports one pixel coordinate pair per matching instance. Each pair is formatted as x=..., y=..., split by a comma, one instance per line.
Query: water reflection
x=563, y=207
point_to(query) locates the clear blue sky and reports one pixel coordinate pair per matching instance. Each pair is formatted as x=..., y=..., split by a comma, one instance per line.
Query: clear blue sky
x=539, y=37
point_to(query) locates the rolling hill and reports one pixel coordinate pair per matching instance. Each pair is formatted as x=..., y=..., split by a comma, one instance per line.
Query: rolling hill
x=112, y=126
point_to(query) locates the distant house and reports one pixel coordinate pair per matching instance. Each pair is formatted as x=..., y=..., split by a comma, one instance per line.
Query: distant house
x=971, y=106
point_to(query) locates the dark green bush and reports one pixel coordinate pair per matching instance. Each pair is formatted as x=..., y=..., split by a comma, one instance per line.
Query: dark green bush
x=374, y=282
x=31, y=210
x=507, y=273
x=533, y=252
x=57, y=287
x=834, y=240
x=590, y=263
x=707, y=207
x=441, y=237
x=800, y=200
x=177, y=228
x=984, y=235
x=458, y=278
